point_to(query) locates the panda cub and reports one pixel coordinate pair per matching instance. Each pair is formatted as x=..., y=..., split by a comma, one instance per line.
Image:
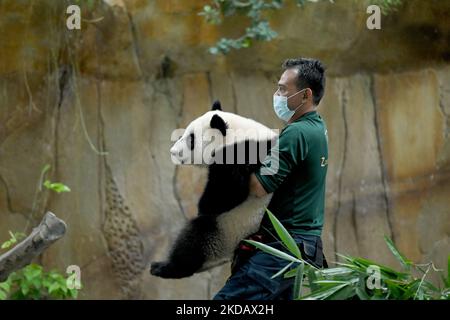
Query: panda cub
x=231, y=147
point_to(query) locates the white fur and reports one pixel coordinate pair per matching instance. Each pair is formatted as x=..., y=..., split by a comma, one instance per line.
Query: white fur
x=239, y=129
x=245, y=219
x=236, y=225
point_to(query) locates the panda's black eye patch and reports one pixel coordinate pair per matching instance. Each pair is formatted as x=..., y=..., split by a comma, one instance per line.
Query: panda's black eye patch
x=191, y=141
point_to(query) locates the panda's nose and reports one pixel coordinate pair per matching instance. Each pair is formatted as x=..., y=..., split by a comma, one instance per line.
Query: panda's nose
x=173, y=151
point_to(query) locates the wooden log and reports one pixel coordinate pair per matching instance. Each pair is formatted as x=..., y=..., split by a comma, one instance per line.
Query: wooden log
x=49, y=230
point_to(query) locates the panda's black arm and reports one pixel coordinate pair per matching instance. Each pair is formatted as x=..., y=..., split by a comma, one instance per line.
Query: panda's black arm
x=227, y=187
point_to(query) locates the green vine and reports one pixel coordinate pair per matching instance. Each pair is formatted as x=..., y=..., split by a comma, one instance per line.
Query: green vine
x=259, y=29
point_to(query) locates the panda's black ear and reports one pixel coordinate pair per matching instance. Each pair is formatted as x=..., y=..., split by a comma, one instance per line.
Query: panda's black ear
x=216, y=105
x=218, y=123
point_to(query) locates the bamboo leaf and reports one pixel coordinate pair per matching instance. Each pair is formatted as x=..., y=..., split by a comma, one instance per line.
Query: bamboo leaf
x=336, y=271
x=361, y=290
x=400, y=257
x=284, y=235
x=331, y=282
x=344, y=293
x=323, y=293
x=282, y=270
x=273, y=251
x=311, y=279
x=411, y=289
x=363, y=264
x=298, y=281
x=290, y=273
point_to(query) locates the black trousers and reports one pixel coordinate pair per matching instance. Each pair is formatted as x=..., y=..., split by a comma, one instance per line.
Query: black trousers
x=252, y=272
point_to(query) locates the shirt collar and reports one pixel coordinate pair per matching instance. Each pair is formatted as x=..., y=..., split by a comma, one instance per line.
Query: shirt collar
x=306, y=115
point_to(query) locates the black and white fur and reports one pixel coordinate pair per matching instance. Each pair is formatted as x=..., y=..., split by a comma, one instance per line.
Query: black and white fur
x=226, y=212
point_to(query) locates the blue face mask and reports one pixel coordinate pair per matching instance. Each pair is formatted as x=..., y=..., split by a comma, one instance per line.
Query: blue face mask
x=280, y=106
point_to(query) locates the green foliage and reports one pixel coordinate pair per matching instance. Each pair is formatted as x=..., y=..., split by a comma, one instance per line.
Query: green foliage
x=254, y=10
x=298, y=283
x=284, y=235
x=349, y=280
x=15, y=237
x=259, y=29
x=57, y=187
x=388, y=6
x=31, y=282
x=406, y=264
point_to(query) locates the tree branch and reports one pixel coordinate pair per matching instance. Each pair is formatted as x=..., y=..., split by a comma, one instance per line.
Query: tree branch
x=49, y=230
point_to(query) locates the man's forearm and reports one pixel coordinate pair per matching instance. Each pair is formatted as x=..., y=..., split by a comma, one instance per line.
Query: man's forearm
x=256, y=188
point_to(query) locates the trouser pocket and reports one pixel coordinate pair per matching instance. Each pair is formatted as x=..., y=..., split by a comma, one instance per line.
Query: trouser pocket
x=262, y=267
x=312, y=252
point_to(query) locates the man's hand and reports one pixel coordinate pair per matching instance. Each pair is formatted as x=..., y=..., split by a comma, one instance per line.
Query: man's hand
x=256, y=188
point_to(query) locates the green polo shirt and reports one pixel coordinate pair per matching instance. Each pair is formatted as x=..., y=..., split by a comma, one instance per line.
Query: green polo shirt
x=298, y=182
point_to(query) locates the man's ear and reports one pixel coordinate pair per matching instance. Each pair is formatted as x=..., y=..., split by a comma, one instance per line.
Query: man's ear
x=218, y=123
x=216, y=105
x=308, y=93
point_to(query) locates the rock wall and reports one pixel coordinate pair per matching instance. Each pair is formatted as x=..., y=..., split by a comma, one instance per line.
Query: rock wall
x=99, y=106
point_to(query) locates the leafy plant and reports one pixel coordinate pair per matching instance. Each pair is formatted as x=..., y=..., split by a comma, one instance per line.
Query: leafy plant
x=55, y=186
x=259, y=29
x=15, y=237
x=350, y=279
x=31, y=282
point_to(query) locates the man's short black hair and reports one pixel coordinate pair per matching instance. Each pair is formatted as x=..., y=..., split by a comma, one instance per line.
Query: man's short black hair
x=311, y=74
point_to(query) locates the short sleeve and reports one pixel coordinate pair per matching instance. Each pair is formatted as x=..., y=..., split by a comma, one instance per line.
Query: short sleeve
x=288, y=152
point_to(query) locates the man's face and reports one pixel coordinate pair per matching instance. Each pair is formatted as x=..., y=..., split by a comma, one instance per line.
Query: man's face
x=287, y=87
